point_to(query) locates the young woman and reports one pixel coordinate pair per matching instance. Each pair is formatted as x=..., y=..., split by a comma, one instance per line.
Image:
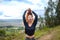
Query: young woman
x=29, y=23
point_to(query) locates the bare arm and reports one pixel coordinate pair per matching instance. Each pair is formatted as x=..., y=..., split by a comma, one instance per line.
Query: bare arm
x=24, y=19
x=36, y=18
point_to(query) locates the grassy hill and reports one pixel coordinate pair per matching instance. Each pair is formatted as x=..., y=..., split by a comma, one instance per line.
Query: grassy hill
x=51, y=34
x=56, y=34
x=44, y=34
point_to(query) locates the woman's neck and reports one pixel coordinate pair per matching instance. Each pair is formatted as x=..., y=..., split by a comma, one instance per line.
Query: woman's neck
x=30, y=24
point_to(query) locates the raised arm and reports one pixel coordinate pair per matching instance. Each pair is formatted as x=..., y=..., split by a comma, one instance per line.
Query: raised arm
x=24, y=19
x=36, y=18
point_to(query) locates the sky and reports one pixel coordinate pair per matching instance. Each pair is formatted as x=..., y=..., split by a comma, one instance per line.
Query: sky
x=14, y=9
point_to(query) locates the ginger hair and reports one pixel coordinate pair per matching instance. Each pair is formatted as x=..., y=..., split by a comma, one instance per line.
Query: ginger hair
x=28, y=13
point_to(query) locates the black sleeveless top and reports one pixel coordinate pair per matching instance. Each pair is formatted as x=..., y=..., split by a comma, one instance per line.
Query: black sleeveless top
x=30, y=30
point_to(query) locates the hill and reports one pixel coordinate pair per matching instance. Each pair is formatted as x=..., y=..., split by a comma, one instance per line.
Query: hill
x=52, y=34
x=12, y=22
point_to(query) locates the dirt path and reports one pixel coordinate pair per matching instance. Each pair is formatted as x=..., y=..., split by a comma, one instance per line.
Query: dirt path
x=47, y=36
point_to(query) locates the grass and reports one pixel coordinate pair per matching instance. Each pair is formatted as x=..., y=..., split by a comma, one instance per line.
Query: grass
x=21, y=36
x=56, y=35
x=42, y=32
x=17, y=35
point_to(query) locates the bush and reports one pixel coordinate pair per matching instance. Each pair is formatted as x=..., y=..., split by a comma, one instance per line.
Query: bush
x=2, y=32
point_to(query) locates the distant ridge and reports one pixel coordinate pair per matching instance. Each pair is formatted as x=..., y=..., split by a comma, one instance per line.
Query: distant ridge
x=8, y=22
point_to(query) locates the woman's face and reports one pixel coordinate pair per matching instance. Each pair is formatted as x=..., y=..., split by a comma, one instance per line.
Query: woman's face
x=30, y=18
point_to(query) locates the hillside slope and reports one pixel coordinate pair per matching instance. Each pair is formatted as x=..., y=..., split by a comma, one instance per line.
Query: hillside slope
x=54, y=34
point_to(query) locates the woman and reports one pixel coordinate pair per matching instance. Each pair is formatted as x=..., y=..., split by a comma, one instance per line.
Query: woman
x=29, y=23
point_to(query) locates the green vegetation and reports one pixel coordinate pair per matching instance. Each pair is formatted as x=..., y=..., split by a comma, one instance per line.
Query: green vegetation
x=16, y=34
x=56, y=35
x=10, y=33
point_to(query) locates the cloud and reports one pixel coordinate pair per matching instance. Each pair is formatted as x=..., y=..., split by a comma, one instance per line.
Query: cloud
x=34, y=1
x=15, y=9
x=6, y=16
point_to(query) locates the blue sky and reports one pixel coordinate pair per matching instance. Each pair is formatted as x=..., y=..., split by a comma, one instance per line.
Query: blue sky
x=14, y=9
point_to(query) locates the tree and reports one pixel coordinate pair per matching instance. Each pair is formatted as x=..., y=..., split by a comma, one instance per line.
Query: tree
x=50, y=14
x=41, y=21
x=47, y=17
x=58, y=13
